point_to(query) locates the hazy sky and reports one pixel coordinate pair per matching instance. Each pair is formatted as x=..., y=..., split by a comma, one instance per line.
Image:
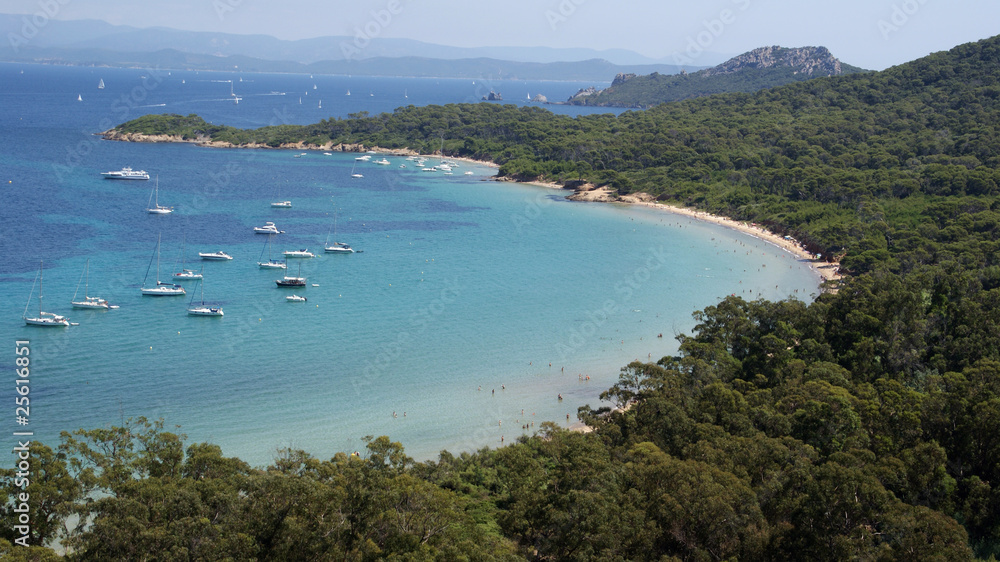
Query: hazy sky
x=868, y=33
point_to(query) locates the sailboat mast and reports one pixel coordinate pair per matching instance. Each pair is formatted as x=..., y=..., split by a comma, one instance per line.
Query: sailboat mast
x=150, y=264
x=158, y=258
x=27, y=304
x=41, y=267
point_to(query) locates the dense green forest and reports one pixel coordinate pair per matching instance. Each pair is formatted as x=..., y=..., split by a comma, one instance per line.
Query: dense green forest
x=864, y=425
x=745, y=73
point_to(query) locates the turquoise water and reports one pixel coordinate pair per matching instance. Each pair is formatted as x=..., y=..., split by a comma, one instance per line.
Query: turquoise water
x=465, y=292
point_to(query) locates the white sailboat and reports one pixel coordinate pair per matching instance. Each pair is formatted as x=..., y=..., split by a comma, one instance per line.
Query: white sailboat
x=232, y=93
x=187, y=274
x=203, y=310
x=93, y=303
x=162, y=289
x=44, y=318
x=270, y=263
x=100, y=85
x=337, y=247
x=157, y=209
x=353, y=173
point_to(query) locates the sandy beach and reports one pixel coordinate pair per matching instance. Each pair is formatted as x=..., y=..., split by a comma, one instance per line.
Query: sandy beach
x=828, y=271
x=825, y=270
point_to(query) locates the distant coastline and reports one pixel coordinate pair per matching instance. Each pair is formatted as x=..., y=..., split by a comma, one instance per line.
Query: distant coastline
x=827, y=270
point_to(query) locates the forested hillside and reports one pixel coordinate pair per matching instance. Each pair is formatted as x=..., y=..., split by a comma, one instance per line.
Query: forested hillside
x=840, y=163
x=864, y=425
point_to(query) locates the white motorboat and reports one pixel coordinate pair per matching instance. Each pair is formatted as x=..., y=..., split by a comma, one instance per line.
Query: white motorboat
x=216, y=256
x=296, y=298
x=162, y=289
x=88, y=302
x=126, y=173
x=48, y=319
x=382, y=162
x=268, y=228
x=299, y=254
x=364, y=158
x=188, y=274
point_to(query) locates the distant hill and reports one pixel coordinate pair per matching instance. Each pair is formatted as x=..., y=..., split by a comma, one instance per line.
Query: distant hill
x=761, y=68
x=93, y=42
x=475, y=69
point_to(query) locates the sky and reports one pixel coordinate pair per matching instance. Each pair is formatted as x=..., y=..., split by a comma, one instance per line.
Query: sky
x=873, y=34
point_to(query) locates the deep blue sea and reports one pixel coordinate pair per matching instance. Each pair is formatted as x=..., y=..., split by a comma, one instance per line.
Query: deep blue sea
x=473, y=305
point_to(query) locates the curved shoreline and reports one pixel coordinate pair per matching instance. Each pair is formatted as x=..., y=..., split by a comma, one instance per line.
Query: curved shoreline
x=827, y=271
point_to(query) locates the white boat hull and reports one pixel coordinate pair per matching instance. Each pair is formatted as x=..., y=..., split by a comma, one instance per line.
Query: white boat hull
x=338, y=250
x=205, y=311
x=91, y=304
x=53, y=322
x=163, y=291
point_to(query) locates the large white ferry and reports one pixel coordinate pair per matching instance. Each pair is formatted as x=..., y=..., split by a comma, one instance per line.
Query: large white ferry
x=126, y=173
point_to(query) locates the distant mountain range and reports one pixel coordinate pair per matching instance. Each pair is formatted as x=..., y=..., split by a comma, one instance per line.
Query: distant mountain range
x=92, y=42
x=761, y=68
